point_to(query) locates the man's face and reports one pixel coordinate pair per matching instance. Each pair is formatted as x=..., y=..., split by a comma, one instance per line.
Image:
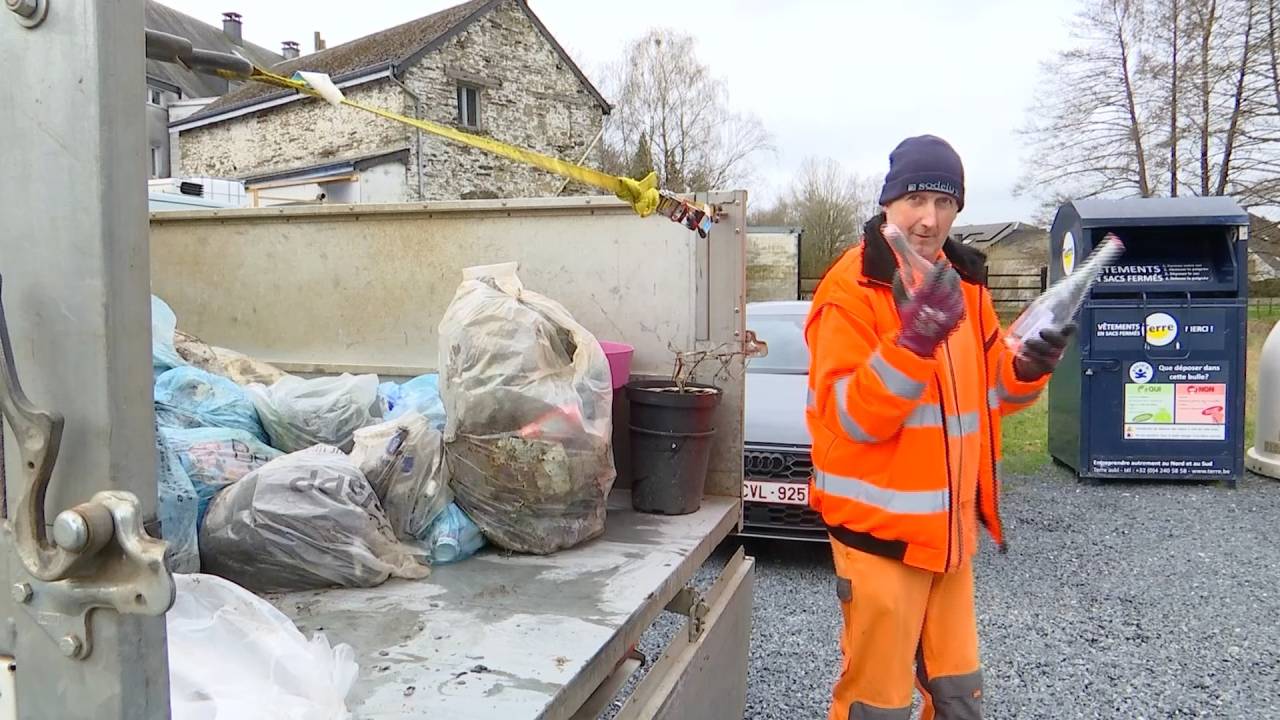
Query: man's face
x=925, y=218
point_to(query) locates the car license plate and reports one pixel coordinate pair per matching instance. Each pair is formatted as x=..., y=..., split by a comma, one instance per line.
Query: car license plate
x=775, y=492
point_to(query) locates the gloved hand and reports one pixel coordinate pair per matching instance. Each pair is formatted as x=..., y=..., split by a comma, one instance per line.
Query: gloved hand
x=1039, y=356
x=932, y=313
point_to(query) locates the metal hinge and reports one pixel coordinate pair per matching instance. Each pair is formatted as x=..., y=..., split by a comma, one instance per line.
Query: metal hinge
x=99, y=555
x=689, y=602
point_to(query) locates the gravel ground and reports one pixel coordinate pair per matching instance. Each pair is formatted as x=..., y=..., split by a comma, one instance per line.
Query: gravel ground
x=1135, y=601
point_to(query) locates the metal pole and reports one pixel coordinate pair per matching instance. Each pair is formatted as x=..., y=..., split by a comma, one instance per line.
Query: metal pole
x=74, y=260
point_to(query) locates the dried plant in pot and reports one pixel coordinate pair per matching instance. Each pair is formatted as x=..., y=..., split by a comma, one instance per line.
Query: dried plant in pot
x=673, y=426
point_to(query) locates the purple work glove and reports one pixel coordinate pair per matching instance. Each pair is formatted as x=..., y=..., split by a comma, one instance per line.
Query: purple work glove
x=1039, y=356
x=932, y=313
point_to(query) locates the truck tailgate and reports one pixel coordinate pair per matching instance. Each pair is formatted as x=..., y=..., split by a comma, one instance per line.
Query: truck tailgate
x=516, y=636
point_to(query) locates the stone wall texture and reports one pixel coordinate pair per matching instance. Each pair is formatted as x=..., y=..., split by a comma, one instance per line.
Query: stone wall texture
x=528, y=97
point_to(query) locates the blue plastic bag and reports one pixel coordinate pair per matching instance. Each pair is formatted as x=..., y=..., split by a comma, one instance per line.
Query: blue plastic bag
x=388, y=396
x=163, y=323
x=177, y=508
x=420, y=395
x=453, y=537
x=214, y=458
x=188, y=397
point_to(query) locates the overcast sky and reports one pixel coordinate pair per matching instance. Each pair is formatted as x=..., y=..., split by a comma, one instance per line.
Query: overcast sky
x=845, y=79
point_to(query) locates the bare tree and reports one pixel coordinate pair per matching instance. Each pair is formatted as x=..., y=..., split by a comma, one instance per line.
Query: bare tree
x=670, y=109
x=1272, y=51
x=830, y=205
x=1184, y=90
x=1088, y=130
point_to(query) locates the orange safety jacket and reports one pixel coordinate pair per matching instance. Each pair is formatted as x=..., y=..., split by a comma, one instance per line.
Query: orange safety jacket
x=906, y=449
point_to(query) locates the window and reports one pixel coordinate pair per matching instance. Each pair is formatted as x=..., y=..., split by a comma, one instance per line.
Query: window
x=469, y=106
x=156, y=157
x=155, y=97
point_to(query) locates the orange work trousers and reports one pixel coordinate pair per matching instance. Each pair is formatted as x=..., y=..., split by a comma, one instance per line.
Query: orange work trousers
x=897, y=618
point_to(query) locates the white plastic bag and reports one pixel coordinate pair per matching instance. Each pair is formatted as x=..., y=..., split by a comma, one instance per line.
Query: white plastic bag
x=299, y=413
x=304, y=521
x=528, y=414
x=232, y=656
x=403, y=459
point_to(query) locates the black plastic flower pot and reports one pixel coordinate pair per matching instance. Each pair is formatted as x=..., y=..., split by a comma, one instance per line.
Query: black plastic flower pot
x=671, y=436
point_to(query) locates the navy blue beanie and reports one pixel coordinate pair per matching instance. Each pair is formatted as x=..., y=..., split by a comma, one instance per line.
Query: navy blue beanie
x=923, y=164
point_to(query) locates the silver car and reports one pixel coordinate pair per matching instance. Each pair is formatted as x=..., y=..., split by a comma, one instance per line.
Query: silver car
x=777, y=464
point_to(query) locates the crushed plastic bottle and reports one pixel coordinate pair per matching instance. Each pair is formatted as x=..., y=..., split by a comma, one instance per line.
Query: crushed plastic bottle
x=1060, y=303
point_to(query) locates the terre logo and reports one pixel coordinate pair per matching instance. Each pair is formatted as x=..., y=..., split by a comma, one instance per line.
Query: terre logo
x=1161, y=329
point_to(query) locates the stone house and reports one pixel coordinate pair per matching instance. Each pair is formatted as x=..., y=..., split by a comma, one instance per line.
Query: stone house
x=1264, y=248
x=1010, y=247
x=1016, y=254
x=173, y=91
x=486, y=66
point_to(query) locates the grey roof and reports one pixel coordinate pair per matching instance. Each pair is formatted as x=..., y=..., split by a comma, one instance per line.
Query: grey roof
x=204, y=37
x=394, y=48
x=988, y=233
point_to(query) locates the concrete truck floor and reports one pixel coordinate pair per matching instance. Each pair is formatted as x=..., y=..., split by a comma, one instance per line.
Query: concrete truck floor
x=1121, y=601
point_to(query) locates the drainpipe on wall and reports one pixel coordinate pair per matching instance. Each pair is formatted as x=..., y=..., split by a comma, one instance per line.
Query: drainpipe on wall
x=417, y=113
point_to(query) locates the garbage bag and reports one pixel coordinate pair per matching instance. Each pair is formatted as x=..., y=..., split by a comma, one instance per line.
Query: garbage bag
x=528, y=402
x=453, y=537
x=237, y=367
x=303, y=521
x=163, y=323
x=420, y=395
x=194, y=350
x=188, y=397
x=213, y=458
x=403, y=459
x=232, y=656
x=177, y=509
x=244, y=370
x=299, y=413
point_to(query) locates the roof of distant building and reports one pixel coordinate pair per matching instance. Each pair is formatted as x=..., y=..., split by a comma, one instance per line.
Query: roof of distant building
x=204, y=37
x=390, y=49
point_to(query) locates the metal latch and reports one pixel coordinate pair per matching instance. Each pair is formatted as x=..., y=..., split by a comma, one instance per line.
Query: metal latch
x=1091, y=366
x=99, y=555
x=690, y=603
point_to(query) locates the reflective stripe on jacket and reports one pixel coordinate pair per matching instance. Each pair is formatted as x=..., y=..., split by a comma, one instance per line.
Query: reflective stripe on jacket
x=906, y=449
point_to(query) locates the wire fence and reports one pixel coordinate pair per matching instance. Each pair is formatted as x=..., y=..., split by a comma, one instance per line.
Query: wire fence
x=1264, y=307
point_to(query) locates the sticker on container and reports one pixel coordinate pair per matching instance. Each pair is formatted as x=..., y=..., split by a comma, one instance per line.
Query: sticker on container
x=1201, y=404
x=1148, y=403
x=1068, y=253
x=1161, y=329
x=1141, y=372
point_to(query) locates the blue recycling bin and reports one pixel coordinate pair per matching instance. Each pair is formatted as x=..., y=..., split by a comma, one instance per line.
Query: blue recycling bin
x=1153, y=386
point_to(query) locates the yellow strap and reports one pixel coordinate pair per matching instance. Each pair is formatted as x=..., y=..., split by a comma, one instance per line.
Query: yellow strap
x=642, y=195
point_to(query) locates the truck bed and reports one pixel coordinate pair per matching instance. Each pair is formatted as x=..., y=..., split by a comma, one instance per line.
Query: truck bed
x=514, y=636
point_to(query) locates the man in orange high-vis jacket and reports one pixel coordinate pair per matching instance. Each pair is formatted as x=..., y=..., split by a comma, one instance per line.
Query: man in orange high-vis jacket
x=907, y=393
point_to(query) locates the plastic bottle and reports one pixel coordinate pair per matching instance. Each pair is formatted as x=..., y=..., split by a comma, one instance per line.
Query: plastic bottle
x=1060, y=303
x=913, y=268
x=453, y=536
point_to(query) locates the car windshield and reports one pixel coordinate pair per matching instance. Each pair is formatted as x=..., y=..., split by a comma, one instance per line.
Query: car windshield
x=788, y=352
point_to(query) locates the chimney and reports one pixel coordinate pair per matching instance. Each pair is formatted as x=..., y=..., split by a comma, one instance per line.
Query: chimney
x=319, y=42
x=290, y=50
x=231, y=27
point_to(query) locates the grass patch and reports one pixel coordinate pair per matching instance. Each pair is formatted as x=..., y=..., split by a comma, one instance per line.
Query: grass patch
x=1026, y=434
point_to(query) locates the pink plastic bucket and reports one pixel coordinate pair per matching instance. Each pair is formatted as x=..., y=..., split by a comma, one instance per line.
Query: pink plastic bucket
x=619, y=356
